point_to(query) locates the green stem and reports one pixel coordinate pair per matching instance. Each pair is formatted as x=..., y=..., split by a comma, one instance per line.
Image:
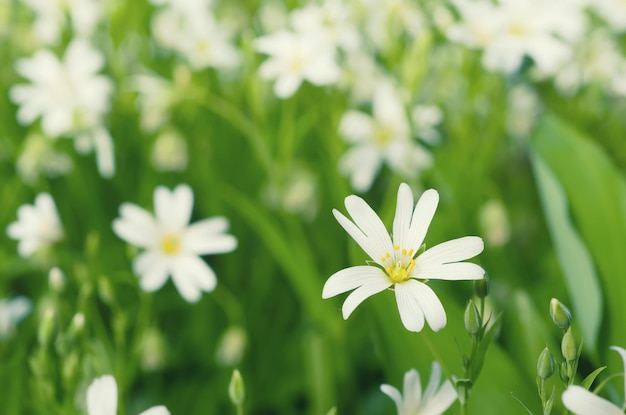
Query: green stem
x=239, y=409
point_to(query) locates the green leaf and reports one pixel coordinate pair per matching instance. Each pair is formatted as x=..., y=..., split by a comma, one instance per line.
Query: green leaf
x=588, y=381
x=522, y=403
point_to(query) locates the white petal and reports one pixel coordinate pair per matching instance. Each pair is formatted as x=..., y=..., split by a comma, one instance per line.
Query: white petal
x=360, y=164
x=582, y=402
x=622, y=353
x=433, y=382
x=402, y=218
x=422, y=216
x=430, y=305
x=156, y=410
x=287, y=85
x=350, y=278
x=441, y=401
x=355, y=126
x=357, y=296
x=412, y=389
x=452, y=251
x=359, y=237
x=191, y=276
x=368, y=221
x=135, y=225
x=102, y=396
x=152, y=270
x=451, y=272
x=394, y=394
x=173, y=209
x=411, y=313
x=206, y=237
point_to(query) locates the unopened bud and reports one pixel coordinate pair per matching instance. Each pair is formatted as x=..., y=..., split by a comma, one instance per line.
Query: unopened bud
x=333, y=411
x=236, y=389
x=78, y=323
x=545, y=364
x=564, y=372
x=44, y=333
x=560, y=314
x=482, y=286
x=472, y=318
x=568, y=346
x=56, y=279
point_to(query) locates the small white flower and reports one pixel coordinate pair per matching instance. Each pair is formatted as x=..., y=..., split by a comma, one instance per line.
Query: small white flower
x=583, y=402
x=51, y=17
x=435, y=400
x=297, y=57
x=383, y=137
x=173, y=246
x=169, y=152
x=38, y=157
x=37, y=225
x=396, y=262
x=102, y=398
x=12, y=311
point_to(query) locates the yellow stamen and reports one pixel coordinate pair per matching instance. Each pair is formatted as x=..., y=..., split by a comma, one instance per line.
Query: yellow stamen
x=170, y=243
x=396, y=247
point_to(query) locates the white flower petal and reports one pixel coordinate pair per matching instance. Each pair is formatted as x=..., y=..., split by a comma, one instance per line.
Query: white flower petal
x=135, y=225
x=422, y=216
x=622, y=353
x=582, y=402
x=402, y=218
x=355, y=127
x=440, y=401
x=451, y=272
x=152, y=270
x=394, y=394
x=412, y=389
x=360, y=164
x=430, y=305
x=452, y=251
x=368, y=221
x=357, y=296
x=286, y=85
x=173, y=209
x=350, y=278
x=102, y=396
x=433, y=382
x=156, y=410
x=411, y=313
x=206, y=237
x=191, y=276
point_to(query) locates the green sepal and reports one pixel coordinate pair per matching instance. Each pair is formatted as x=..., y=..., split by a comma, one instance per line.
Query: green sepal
x=588, y=381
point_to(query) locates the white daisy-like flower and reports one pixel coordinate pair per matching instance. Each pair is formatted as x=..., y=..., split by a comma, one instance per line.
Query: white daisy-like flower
x=102, y=398
x=173, y=246
x=52, y=17
x=12, y=311
x=37, y=225
x=297, y=57
x=397, y=262
x=583, y=402
x=435, y=400
x=385, y=136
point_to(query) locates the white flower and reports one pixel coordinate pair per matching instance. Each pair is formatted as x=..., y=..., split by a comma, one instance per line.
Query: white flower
x=383, y=137
x=397, y=262
x=582, y=402
x=102, y=398
x=172, y=246
x=12, y=311
x=169, y=152
x=435, y=400
x=296, y=57
x=38, y=157
x=37, y=226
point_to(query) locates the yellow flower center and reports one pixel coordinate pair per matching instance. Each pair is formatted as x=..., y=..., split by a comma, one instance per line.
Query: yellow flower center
x=170, y=243
x=398, y=268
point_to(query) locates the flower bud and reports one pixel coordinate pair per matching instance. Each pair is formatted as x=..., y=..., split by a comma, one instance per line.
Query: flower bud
x=236, y=389
x=568, y=346
x=482, y=286
x=56, y=279
x=46, y=327
x=472, y=318
x=564, y=372
x=560, y=314
x=78, y=323
x=545, y=364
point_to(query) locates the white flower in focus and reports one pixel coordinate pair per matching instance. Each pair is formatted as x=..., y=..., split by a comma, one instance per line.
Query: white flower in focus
x=173, y=246
x=583, y=402
x=37, y=225
x=294, y=58
x=12, y=311
x=397, y=262
x=435, y=400
x=383, y=137
x=102, y=398
x=50, y=20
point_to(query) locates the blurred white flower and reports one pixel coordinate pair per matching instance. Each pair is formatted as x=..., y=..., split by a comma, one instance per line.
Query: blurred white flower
x=387, y=21
x=12, y=311
x=37, y=225
x=102, y=398
x=398, y=262
x=39, y=157
x=155, y=97
x=173, y=246
x=523, y=107
x=613, y=11
x=583, y=402
x=51, y=20
x=169, y=152
x=294, y=58
x=360, y=74
x=494, y=223
x=296, y=193
x=383, y=137
x=185, y=7
x=69, y=96
x=425, y=118
x=231, y=346
x=435, y=400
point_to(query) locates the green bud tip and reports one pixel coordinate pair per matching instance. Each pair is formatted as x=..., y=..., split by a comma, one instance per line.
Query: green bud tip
x=545, y=364
x=472, y=318
x=236, y=389
x=482, y=286
x=568, y=346
x=560, y=314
